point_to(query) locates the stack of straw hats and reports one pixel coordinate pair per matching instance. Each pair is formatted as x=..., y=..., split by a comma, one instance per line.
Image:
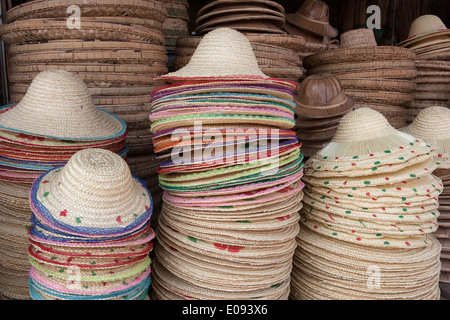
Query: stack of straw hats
x=275, y=50
x=252, y=16
x=312, y=22
x=55, y=119
x=379, y=77
x=433, y=125
x=176, y=24
x=321, y=103
x=369, y=209
x=90, y=236
x=116, y=49
x=429, y=38
x=231, y=176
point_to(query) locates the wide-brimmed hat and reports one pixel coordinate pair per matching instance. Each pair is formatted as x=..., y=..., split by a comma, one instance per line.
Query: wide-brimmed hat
x=57, y=105
x=429, y=28
x=94, y=193
x=433, y=125
x=313, y=16
x=212, y=60
x=320, y=96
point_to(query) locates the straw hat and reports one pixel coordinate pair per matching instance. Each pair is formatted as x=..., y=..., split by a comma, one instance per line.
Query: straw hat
x=57, y=105
x=428, y=28
x=433, y=125
x=358, y=38
x=94, y=193
x=213, y=61
x=313, y=16
x=320, y=96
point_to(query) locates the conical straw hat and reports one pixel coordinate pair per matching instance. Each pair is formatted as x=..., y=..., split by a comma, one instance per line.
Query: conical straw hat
x=223, y=53
x=433, y=125
x=94, y=193
x=58, y=105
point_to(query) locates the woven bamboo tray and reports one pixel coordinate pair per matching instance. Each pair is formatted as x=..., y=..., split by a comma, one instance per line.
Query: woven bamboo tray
x=408, y=74
x=58, y=8
x=436, y=87
x=120, y=109
x=439, y=96
x=121, y=100
x=81, y=45
x=383, y=97
x=379, y=84
x=91, y=78
x=440, y=56
x=389, y=111
x=91, y=67
x=359, y=55
x=421, y=104
x=118, y=56
x=35, y=30
x=428, y=65
x=362, y=66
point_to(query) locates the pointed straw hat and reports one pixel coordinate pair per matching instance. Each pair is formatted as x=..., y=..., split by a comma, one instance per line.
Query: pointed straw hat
x=94, y=193
x=426, y=27
x=433, y=125
x=57, y=105
x=313, y=16
x=212, y=60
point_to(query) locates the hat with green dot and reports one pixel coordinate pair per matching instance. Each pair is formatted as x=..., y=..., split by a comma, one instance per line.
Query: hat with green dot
x=93, y=194
x=58, y=105
x=433, y=125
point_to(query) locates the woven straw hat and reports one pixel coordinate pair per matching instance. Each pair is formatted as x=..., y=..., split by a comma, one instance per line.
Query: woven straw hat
x=426, y=27
x=213, y=60
x=358, y=38
x=433, y=125
x=320, y=96
x=57, y=105
x=313, y=16
x=94, y=193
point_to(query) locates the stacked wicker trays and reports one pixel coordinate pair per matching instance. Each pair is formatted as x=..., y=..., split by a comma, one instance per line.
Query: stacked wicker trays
x=379, y=77
x=116, y=50
x=176, y=24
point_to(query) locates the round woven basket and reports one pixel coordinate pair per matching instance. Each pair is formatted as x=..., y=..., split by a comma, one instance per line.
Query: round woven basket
x=82, y=45
x=358, y=55
x=362, y=66
x=409, y=74
x=438, y=96
x=383, y=97
x=379, y=84
x=58, y=8
x=421, y=104
x=35, y=30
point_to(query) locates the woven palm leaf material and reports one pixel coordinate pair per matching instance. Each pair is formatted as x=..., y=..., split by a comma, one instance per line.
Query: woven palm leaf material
x=75, y=252
x=370, y=189
x=226, y=217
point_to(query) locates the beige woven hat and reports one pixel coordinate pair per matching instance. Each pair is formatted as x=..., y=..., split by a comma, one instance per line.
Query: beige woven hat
x=358, y=38
x=58, y=105
x=214, y=60
x=93, y=193
x=313, y=16
x=433, y=125
x=426, y=27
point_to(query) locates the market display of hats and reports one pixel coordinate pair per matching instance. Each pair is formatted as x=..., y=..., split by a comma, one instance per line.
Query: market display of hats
x=90, y=235
x=55, y=119
x=231, y=176
x=245, y=16
x=433, y=125
x=369, y=193
x=429, y=38
x=176, y=24
x=377, y=77
x=321, y=102
x=116, y=49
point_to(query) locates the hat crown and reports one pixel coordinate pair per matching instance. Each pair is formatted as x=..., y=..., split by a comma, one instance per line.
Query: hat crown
x=358, y=38
x=57, y=90
x=96, y=172
x=223, y=52
x=431, y=124
x=362, y=124
x=320, y=89
x=316, y=10
x=426, y=24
